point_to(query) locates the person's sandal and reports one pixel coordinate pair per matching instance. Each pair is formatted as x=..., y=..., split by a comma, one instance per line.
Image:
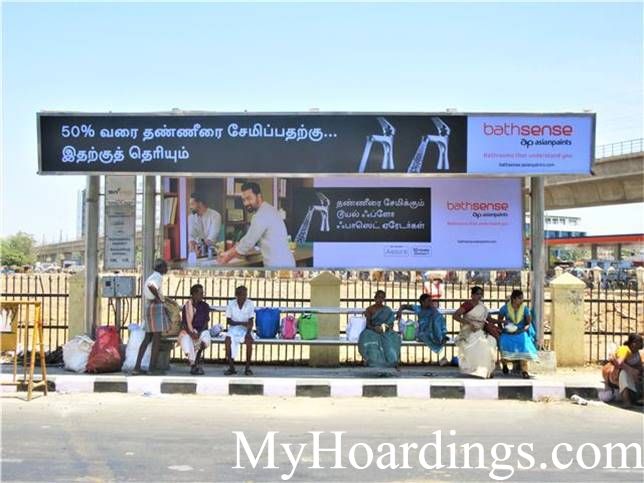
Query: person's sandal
x=248, y=372
x=194, y=370
x=525, y=375
x=200, y=371
x=230, y=371
x=140, y=372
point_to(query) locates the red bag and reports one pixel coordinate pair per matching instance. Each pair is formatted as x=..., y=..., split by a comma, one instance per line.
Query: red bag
x=105, y=355
x=492, y=329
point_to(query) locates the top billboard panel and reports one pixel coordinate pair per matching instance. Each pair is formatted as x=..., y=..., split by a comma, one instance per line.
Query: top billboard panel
x=315, y=143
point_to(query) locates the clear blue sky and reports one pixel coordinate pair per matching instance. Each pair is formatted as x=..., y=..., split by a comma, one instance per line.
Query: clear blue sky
x=281, y=57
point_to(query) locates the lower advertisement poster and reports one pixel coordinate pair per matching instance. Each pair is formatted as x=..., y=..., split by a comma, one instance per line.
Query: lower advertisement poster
x=344, y=223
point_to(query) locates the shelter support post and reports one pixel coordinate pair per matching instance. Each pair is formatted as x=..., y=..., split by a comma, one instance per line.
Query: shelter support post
x=91, y=253
x=149, y=221
x=538, y=261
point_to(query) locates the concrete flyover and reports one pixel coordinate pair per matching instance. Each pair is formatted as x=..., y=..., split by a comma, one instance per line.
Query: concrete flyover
x=71, y=250
x=618, y=177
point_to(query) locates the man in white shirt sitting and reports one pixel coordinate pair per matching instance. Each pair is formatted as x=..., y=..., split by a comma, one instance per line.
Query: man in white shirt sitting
x=204, y=224
x=267, y=229
x=239, y=316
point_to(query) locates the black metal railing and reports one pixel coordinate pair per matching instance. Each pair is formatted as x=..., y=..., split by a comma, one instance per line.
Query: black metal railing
x=611, y=314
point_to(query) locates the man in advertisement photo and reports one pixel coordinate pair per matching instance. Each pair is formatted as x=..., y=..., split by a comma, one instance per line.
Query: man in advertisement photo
x=267, y=230
x=204, y=226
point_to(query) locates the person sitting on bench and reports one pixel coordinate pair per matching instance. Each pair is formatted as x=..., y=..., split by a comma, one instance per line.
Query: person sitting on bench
x=239, y=317
x=432, y=330
x=378, y=344
x=194, y=336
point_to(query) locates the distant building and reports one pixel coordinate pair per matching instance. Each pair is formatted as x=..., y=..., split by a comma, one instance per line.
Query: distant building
x=557, y=226
x=563, y=227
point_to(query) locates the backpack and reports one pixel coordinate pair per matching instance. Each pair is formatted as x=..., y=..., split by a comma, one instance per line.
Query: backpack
x=288, y=327
x=309, y=326
x=267, y=322
x=173, y=312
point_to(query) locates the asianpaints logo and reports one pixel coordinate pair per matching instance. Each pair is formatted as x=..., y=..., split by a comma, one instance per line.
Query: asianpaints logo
x=481, y=209
x=512, y=129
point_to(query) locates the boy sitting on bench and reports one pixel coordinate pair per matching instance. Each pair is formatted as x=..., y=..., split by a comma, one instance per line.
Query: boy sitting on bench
x=194, y=336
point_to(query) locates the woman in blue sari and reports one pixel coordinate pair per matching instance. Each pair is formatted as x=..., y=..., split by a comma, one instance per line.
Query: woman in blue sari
x=378, y=344
x=517, y=341
x=432, y=330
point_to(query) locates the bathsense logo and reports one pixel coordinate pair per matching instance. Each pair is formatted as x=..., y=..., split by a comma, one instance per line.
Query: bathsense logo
x=512, y=129
x=478, y=206
x=481, y=209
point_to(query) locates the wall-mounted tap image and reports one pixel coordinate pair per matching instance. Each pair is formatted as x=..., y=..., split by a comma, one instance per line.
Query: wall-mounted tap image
x=442, y=142
x=323, y=209
x=387, y=141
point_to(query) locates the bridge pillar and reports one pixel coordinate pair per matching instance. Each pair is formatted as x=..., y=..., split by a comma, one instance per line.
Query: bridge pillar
x=639, y=272
x=597, y=276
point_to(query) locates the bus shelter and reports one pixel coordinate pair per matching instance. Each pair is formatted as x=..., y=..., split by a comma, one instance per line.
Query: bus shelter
x=391, y=191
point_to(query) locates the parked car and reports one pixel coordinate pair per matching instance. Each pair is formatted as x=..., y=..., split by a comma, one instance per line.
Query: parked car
x=46, y=267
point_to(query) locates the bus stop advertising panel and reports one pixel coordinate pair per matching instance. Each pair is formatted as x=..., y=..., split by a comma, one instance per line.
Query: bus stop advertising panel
x=396, y=191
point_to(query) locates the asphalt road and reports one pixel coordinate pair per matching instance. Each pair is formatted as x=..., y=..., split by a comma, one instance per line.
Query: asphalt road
x=123, y=437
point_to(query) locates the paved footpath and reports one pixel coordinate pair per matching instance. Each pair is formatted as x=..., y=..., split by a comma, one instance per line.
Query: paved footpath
x=129, y=437
x=410, y=382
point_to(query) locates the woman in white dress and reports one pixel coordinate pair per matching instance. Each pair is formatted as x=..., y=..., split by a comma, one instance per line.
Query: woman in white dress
x=476, y=341
x=239, y=316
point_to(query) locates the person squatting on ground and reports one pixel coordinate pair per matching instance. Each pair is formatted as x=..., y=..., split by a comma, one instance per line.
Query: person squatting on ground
x=624, y=370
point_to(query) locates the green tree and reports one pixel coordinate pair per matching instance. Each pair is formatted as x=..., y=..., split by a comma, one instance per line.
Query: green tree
x=18, y=249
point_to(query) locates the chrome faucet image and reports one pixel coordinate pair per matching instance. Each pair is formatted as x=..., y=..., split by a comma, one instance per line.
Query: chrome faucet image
x=323, y=209
x=387, y=141
x=442, y=142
